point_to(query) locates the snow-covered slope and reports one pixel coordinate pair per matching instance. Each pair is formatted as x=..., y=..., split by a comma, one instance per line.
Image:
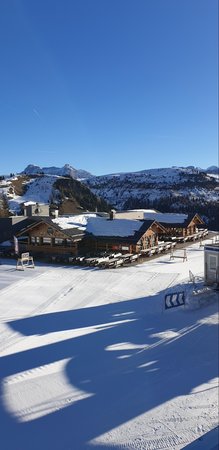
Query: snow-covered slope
x=90, y=360
x=129, y=189
x=37, y=190
x=167, y=189
x=48, y=188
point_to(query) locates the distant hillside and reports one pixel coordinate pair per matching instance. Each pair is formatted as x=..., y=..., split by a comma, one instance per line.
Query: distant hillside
x=73, y=196
x=66, y=193
x=166, y=189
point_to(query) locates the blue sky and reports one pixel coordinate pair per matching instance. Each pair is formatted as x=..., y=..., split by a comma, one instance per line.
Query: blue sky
x=108, y=85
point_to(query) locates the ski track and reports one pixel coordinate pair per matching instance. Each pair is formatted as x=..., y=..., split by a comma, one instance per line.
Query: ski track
x=9, y=339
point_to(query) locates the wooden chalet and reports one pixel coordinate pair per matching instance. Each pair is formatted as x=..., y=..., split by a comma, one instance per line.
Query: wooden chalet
x=43, y=238
x=175, y=224
x=146, y=236
x=187, y=227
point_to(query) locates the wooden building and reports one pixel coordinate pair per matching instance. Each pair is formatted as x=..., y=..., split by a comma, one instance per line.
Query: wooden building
x=42, y=237
x=175, y=224
x=143, y=237
x=77, y=235
x=188, y=226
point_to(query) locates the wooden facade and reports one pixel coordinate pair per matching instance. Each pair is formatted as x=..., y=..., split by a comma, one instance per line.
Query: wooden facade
x=187, y=228
x=143, y=239
x=46, y=239
x=43, y=238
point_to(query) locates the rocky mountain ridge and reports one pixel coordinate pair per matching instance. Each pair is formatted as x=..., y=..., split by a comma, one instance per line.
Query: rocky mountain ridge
x=66, y=170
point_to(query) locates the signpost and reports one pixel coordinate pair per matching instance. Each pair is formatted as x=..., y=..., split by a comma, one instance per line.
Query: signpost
x=174, y=299
x=25, y=261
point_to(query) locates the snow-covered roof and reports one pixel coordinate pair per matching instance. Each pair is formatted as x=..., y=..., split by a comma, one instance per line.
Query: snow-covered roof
x=166, y=217
x=143, y=210
x=6, y=244
x=73, y=221
x=29, y=203
x=99, y=226
x=117, y=227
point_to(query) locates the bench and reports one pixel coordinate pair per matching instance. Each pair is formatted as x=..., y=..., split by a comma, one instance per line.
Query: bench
x=183, y=256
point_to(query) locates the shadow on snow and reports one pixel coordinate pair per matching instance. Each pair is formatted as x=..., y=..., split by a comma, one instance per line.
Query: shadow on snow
x=122, y=383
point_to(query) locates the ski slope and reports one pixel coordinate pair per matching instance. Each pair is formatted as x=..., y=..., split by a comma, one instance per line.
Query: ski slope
x=91, y=360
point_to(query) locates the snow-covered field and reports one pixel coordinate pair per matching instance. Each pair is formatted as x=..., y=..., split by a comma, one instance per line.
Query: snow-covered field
x=91, y=360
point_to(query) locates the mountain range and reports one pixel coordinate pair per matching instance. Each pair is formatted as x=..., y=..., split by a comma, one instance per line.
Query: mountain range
x=68, y=170
x=181, y=189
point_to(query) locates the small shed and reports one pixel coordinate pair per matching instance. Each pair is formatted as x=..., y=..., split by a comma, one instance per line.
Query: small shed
x=211, y=262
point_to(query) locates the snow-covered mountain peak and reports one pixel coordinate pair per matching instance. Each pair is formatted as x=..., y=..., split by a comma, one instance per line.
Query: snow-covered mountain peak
x=66, y=170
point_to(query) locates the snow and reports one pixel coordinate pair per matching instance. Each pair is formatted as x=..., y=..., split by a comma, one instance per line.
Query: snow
x=39, y=191
x=116, y=227
x=99, y=226
x=73, y=221
x=29, y=203
x=6, y=244
x=143, y=210
x=166, y=217
x=151, y=214
x=153, y=184
x=214, y=175
x=91, y=360
x=66, y=170
x=170, y=173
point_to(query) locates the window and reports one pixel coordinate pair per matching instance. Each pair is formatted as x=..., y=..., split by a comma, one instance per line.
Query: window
x=23, y=239
x=152, y=240
x=69, y=243
x=212, y=262
x=59, y=241
x=46, y=241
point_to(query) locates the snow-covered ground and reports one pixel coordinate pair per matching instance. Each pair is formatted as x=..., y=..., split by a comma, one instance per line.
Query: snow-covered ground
x=91, y=360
